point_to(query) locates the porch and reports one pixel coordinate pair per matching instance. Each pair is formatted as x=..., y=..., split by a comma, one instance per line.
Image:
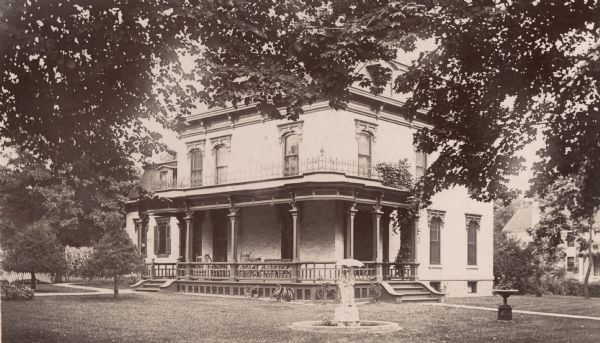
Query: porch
x=281, y=272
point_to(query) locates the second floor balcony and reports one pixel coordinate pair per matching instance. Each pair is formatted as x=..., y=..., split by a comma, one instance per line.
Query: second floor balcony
x=289, y=169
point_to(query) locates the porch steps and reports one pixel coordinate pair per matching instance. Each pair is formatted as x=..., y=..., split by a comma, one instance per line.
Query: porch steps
x=149, y=286
x=410, y=292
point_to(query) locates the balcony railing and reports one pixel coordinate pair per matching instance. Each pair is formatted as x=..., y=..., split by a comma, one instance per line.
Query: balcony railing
x=272, y=171
x=304, y=271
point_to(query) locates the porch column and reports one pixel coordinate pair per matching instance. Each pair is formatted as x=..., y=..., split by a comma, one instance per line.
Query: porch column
x=189, y=235
x=295, y=236
x=233, y=216
x=350, y=231
x=377, y=241
x=138, y=230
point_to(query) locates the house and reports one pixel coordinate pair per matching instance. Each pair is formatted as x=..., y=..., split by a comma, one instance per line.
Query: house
x=250, y=202
x=528, y=216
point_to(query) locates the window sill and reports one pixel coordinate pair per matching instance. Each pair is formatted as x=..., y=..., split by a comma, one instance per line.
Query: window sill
x=435, y=266
x=163, y=255
x=472, y=268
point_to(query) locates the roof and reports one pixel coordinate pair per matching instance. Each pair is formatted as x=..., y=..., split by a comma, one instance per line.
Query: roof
x=520, y=222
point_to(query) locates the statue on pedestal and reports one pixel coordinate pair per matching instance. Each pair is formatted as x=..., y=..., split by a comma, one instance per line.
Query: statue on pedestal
x=346, y=314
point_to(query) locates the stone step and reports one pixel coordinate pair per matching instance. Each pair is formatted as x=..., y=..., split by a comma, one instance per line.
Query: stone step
x=415, y=295
x=147, y=289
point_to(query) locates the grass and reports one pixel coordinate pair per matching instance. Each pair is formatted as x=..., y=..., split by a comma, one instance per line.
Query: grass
x=181, y=317
x=547, y=303
x=50, y=288
x=102, y=283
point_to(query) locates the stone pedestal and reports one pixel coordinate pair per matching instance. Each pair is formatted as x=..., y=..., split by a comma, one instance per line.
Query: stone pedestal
x=346, y=315
x=504, y=312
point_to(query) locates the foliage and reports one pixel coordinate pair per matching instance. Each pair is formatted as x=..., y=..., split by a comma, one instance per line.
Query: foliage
x=375, y=291
x=77, y=208
x=114, y=256
x=327, y=319
x=395, y=175
x=35, y=249
x=78, y=260
x=326, y=291
x=15, y=291
x=566, y=207
x=284, y=293
x=523, y=267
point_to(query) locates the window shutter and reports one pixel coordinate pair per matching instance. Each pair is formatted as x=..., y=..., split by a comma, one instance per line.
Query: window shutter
x=168, y=238
x=156, y=240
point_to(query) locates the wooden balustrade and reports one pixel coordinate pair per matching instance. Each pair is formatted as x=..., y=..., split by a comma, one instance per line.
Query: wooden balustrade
x=307, y=271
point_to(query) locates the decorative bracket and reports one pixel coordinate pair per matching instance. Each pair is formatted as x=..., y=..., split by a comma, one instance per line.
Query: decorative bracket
x=365, y=127
x=473, y=218
x=436, y=214
x=220, y=141
x=196, y=145
x=285, y=130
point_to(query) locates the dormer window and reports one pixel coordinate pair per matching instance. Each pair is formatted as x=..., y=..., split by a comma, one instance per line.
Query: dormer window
x=291, y=155
x=196, y=167
x=364, y=154
x=221, y=163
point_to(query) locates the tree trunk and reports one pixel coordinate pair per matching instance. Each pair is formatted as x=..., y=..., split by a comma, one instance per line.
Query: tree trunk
x=116, y=285
x=586, y=290
x=33, y=284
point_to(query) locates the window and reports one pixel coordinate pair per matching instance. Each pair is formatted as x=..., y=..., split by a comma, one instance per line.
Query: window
x=290, y=159
x=571, y=263
x=221, y=162
x=472, y=286
x=570, y=239
x=364, y=154
x=421, y=164
x=472, y=243
x=162, y=238
x=163, y=175
x=596, y=265
x=196, y=167
x=435, y=225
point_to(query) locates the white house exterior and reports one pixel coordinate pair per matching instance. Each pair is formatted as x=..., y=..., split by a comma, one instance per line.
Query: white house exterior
x=247, y=189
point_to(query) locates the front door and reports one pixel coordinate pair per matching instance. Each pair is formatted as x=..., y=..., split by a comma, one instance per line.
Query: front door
x=363, y=236
x=220, y=228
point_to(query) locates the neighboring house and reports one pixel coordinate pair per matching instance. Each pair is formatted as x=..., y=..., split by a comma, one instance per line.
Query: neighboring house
x=527, y=217
x=256, y=201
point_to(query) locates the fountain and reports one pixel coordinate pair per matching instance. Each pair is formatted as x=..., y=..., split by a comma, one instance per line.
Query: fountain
x=346, y=318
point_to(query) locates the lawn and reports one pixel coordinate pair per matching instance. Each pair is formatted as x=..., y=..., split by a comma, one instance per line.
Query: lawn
x=50, y=288
x=102, y=283
x=547, y=303
x=181, y=317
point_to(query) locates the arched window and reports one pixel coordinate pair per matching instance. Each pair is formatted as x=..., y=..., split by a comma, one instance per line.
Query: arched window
x=221, y=163
x=291, y=155
x=435, y=225
x=472, y=243
x=196, y=167
x=364, y=154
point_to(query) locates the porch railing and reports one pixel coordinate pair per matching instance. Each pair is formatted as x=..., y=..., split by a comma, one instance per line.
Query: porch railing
x=265, y=172
x=303, y=271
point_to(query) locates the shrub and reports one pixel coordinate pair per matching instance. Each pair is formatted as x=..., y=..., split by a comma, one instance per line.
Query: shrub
x=15, y=291
x=375, y=291
x=284, y=293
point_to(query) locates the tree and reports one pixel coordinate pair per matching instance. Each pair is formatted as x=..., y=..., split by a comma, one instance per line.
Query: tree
x=78, y=209
x=566, y=207
x=35, y=250
x=500, y=72
x=115, y=255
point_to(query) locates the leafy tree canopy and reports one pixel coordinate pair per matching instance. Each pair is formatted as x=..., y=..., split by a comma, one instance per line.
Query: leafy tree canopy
x=501, y=71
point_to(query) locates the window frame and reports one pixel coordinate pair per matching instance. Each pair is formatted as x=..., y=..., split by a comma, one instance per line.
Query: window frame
x=225, y=149
x=162, y=238
x=287, y=170
x=196, y=174
x=472, y=228
x=435, y=243
x=420, y=169
x=369, y=138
